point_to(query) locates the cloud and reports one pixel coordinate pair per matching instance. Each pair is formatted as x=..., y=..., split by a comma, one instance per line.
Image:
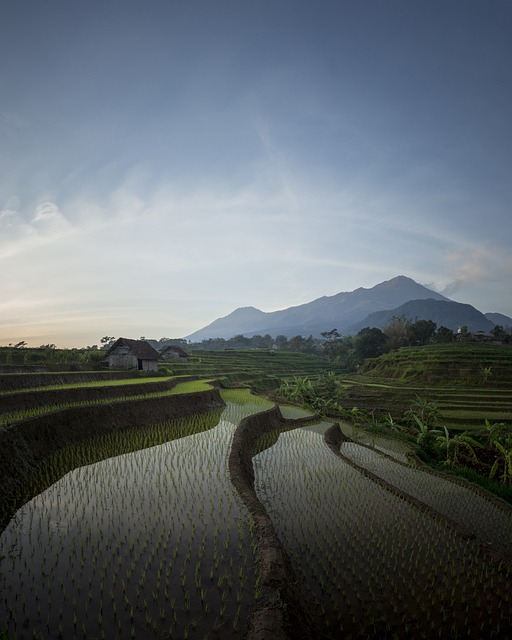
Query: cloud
x=469, y=268
x=48, y=220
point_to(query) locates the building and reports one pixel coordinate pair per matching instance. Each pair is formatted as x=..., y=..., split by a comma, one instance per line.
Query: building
x=132, y=354
x=173, y=352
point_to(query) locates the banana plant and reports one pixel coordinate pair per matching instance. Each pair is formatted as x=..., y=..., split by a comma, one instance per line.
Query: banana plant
x=498, y=432
x=303, y=388
x=389, y=421
x=424, y=434
x=424, y=410
x=505, y=456
x=284, y=389
x=453, y=445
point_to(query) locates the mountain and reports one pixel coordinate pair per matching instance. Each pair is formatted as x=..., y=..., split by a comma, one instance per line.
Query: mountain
x=499, y=319
x=240, y=321
x=445, y=313
x=340, y=311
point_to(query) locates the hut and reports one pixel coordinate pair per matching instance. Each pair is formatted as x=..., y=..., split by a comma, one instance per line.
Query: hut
x=173, y=352
x=132, y=354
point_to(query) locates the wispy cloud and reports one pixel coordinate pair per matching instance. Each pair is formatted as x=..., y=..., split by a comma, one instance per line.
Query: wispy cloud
x=17, y=235
x=470, y=267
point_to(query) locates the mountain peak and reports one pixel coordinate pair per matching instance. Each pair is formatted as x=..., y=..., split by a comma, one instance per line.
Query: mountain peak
x=340, y=311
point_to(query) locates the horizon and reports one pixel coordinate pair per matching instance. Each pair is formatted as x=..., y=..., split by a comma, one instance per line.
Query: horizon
x=166, y=163
x=186, y=336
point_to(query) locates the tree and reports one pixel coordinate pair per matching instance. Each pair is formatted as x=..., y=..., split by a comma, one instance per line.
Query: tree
x=49, y=351
x=369, y=343
x=499, y=332
x=327, y=385
x=421, y=331
x=332, y=341
x=261, y=342
x=498, y=432
x=486, y=373
x=239, y=341
x=331, y=335
x=281, y=341
x=396, y=331
x=299, y=343
x=443, y=335
x=463, y=334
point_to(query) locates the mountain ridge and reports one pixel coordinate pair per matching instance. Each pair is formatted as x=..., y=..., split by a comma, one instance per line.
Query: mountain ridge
x=446, y=313
x=342, y=311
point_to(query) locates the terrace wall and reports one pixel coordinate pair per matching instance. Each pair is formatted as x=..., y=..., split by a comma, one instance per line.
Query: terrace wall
x=18, y=381
x=25, y=444
x=32, y=399
x=285, y=613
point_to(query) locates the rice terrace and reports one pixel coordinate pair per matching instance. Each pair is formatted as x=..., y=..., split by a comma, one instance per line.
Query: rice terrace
x=258, y=494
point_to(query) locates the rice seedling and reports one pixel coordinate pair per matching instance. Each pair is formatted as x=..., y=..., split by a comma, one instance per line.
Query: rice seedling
x=360, y=548
x=8, y=418
x=128, y=530
x=471, y=510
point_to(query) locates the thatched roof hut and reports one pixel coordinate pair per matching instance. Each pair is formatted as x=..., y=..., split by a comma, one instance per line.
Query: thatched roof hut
x=132, y=354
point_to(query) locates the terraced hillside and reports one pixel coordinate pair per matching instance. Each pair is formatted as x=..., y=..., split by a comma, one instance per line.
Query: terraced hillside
x=259, y=369
x=455, y=364
x=470, y=383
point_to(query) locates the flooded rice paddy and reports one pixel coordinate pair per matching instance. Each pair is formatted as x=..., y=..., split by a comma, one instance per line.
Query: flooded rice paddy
x=374, y=565
x=149, y=544
x=153, y=541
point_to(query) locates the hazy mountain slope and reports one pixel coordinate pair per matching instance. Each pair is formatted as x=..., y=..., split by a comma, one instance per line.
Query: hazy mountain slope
x=339, y=311
x=444, y=313
x=240, y=321
x=499, y=319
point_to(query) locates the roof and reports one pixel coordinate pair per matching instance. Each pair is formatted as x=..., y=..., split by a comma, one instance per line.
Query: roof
x=176, y=349
x=139, y=348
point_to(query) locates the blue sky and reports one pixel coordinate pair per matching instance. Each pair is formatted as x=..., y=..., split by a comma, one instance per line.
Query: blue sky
x=165, y=162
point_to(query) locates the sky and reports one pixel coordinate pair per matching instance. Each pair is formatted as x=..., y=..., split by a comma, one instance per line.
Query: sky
x=164, y=162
